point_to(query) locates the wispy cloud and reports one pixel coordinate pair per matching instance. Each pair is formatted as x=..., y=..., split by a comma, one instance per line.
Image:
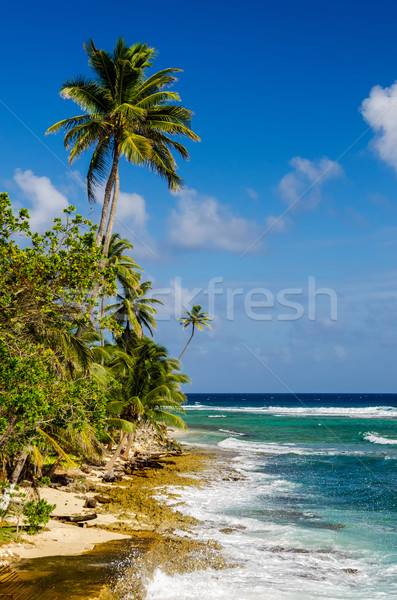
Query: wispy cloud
x=380, y=112
x=200, y=222
x=305, y=182
x=46, y=201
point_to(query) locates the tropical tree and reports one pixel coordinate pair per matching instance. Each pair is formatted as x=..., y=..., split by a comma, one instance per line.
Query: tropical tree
x=150, y=390
x=197, y=320
x=134, y=310
x=46, y=385
x=125, y=114
x=125, y=268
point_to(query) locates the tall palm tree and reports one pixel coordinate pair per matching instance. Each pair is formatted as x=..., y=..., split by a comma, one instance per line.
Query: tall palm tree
x=197, y=319
x=125, y=114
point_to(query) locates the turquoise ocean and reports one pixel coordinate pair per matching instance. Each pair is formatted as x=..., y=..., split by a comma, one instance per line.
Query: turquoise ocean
x=313, y=513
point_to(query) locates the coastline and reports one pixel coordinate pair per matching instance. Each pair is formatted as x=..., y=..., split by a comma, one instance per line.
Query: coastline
x=137, y=514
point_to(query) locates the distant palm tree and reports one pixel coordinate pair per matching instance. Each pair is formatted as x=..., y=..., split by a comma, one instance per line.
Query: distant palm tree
x=197, y=319
x=124, y=114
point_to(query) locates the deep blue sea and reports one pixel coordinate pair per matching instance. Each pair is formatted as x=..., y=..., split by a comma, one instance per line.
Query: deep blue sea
x=315, y=513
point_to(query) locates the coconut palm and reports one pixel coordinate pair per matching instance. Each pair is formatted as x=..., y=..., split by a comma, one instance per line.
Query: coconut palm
x=125, y=114
x=127, y=274
x=126, y=268
x=197, y=319
x=150, y=389
x=134, y=310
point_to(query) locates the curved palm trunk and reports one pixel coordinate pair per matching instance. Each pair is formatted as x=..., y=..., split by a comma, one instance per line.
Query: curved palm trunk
x=188, y=342
x=113, y=181
x=107, y=197
x=112, y=213
x=102, y=224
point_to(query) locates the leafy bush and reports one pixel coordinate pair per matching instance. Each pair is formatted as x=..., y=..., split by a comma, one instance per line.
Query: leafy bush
x=37, y=513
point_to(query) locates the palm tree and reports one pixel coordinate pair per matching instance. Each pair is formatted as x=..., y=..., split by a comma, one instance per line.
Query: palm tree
x=150, y=389
x=197, y=319
x=134, y=310
x=127, y=274
x=126, y=267
x=125, y=114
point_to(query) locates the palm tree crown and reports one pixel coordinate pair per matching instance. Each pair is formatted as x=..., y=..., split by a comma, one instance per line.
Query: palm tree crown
x=135, y=310
x=126, y=114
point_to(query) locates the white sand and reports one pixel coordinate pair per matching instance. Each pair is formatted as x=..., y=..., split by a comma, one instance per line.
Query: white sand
x=63, y=538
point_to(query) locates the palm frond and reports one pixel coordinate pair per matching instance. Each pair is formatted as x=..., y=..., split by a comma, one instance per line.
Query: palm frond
x=123, y=424
x=60, y=451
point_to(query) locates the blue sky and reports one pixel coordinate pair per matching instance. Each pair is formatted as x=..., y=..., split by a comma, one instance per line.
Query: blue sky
x=299, y=149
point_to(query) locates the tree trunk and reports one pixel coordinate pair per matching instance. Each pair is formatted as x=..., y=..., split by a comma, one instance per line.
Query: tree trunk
x=188, y=342
x=23, y=455
x=102, y=315
x=106, y=199
x=116, y=454
x=130, y=441
x=112, y=213
x=51, y=471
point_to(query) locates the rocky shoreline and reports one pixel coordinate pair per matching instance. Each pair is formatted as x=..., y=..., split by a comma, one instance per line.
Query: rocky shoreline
x=126, y=509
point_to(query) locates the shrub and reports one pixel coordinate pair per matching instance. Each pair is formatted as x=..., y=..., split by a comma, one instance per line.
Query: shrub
x=37, y=513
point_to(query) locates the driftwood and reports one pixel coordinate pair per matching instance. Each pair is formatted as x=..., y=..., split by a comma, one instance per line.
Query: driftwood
x=75, y=519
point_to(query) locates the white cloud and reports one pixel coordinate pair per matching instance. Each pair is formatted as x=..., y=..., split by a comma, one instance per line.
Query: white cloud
x=380, y=112
x=302, y=186
x=47, y=202
x=132, y=207
x=201, y=222
x=340, y=352
x=131, y=222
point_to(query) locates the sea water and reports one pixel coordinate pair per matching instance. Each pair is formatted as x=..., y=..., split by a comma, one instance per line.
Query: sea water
x=314, y=514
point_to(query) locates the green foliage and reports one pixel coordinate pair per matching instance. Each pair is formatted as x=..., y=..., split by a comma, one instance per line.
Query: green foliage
x=44, y=481
x=37, y=514
x=151, y=387
x=134, y=310
x=46, y=285
x=46, y=386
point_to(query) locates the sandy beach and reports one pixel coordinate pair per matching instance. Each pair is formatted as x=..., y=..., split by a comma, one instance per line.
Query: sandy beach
x=133, y=514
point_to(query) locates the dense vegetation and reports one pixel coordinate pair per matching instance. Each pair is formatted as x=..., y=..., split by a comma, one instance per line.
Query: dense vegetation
x=77, y=370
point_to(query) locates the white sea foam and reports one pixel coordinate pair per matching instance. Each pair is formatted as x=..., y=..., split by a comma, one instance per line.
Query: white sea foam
x=231, y=432
x=365, y=412
x=273, y=560
x=217, y=416
x=378, y=439
x=271, y=448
